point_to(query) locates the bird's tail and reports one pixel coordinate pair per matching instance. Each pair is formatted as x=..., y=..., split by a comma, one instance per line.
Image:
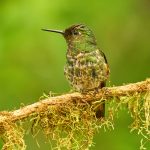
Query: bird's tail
x=100, y=111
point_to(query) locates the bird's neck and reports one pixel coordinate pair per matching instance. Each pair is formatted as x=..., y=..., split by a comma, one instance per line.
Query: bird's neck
x=77, y=47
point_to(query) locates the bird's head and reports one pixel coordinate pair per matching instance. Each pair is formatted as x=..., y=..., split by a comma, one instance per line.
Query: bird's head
x=78, y=37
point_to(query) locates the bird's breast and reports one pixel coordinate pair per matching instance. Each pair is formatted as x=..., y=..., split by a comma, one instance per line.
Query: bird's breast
x=86, y=71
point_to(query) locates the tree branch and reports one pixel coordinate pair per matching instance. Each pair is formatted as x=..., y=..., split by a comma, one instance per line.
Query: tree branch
x=106, y=93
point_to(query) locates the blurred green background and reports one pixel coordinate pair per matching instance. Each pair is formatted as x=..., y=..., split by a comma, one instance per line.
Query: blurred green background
x=32, y=61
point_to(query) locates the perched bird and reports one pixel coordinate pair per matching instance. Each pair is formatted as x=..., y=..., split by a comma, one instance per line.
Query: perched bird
x=86, y=67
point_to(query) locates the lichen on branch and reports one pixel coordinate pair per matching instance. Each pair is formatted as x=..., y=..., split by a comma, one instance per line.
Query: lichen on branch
x=70, y=120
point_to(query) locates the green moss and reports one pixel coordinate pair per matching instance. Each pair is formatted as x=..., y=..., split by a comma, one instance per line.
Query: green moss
x=69, y=126
x=73, y=125
x=139, y=109
x=12, y=135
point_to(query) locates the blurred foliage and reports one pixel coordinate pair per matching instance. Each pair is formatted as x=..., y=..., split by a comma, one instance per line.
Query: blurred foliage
x=32, y=61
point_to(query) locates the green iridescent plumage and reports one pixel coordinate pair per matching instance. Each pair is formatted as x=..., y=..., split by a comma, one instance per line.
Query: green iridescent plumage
x=86, y=67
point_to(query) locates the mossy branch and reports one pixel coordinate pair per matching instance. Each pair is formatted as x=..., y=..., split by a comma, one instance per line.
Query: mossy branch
x=106, y=93
x=74, y=113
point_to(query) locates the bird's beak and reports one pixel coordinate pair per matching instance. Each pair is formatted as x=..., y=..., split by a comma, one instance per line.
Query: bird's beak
x=56, y=31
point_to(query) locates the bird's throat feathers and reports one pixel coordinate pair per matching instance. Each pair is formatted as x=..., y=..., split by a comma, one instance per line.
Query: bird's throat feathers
x=81, y=44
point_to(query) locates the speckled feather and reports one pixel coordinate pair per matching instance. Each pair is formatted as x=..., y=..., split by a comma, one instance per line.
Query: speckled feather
x=86, y=71
x=86, y=67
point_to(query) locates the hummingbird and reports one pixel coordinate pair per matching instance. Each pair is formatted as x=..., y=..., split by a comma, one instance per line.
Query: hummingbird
x=86, y=67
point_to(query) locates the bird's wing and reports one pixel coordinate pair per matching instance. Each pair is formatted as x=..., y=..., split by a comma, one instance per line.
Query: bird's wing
x=108, y=70
x=104, y=56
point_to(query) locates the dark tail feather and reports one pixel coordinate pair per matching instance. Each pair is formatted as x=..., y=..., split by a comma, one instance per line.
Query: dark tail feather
x=100, y=112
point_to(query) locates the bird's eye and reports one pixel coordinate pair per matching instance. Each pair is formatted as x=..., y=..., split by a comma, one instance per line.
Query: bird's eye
x=75, y=32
